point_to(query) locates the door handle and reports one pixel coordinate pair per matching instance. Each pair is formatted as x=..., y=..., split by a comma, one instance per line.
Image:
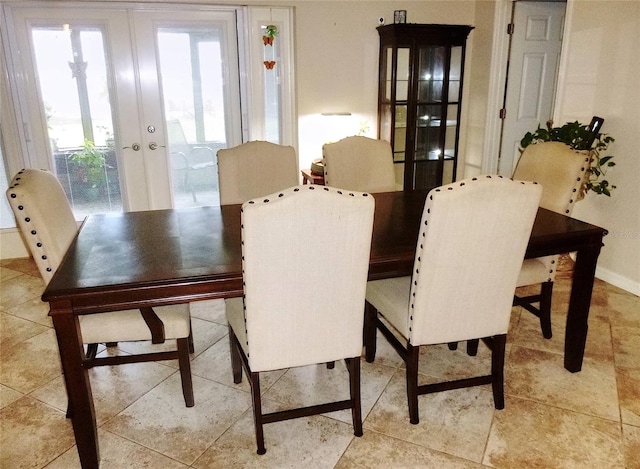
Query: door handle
x=134, y=147
x=154, y=146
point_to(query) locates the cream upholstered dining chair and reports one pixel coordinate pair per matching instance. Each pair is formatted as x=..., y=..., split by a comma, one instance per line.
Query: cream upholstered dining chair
x=46, y=221
x=560, y=170
x=359, y=164
x=471, y=243
x=255, y=169
x=275, y=325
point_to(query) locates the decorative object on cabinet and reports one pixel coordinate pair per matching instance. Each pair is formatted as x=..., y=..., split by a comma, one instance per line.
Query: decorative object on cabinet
x=421, y=72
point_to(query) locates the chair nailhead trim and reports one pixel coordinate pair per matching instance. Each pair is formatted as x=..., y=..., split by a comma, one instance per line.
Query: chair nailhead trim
x=27, y=219
x=424, y=234
x=311, y=187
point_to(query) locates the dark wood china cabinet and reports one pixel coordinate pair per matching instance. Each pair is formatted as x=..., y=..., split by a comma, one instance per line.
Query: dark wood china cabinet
x=421, y=71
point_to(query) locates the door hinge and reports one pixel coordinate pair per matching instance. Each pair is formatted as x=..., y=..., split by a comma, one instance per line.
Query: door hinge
x=510, y=28
x=503, y=113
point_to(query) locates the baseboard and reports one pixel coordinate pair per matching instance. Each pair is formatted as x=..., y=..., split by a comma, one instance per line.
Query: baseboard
x=618, y=280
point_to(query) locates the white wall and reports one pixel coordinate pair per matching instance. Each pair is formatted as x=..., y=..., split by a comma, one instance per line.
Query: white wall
x=337, y=60
x=600, y=77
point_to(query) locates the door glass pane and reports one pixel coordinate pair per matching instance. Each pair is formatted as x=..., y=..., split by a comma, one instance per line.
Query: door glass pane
x=74, y=83
x=450, y=132
x=191, y=65
x=400, y=134
x=455, y=74
x=6, y=218
x=387, y=66
x=431, y=74
x=402, y=78
x=271, y=83
x=428, y=132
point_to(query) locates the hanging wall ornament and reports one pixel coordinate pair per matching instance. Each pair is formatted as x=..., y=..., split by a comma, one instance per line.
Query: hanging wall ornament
x=270, y=32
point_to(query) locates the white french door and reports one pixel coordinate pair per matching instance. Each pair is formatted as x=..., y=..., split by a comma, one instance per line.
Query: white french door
x=128, y=106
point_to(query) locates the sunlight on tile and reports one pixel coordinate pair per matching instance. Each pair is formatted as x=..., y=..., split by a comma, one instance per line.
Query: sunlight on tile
x=527, y=434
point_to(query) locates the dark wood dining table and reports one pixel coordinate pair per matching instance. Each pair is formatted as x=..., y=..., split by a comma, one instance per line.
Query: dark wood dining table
x=135, y=259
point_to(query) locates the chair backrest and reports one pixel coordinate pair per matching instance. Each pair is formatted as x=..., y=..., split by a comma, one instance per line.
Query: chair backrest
x=296, y=312
x=471, y=245
x=359, y=164
x=44, y=217
x=255, y=169
x=560, y=171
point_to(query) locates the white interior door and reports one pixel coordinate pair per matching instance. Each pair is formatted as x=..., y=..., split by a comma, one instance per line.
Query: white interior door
x=533, y=69
x=113, y=99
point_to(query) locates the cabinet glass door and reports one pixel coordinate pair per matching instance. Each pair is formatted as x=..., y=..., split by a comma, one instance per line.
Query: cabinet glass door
x=420, y=89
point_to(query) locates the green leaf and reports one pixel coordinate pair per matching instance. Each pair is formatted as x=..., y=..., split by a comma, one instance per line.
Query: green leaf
x=604, y=159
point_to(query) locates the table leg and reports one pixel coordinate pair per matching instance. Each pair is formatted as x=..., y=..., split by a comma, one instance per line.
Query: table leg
x=76, y=377
x=579, y=303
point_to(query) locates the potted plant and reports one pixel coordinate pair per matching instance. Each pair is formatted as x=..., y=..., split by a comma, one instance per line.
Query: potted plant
x=91, y=170
x=580, y=137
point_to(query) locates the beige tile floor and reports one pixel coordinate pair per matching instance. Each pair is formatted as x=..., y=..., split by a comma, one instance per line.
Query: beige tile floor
x=552, y=419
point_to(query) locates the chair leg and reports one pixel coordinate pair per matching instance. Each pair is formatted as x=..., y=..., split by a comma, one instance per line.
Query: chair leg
x=353, y=365
x=192, y=348
x=497, y=369
x=185, y=371
x=545, y=309
x=69, y=413
x=370, y=330
x=257, y=411
x=92, y=351
x=236, y=359
x=412, y=382
x=472, y=347
x=452, y=345
x=331, y=365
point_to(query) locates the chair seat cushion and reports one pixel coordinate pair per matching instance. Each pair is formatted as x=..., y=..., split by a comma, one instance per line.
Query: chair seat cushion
x=391, y=298
x=128, y=325
x=533, y=271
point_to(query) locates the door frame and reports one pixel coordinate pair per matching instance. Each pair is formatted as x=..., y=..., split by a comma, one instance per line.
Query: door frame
x=498, y=77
